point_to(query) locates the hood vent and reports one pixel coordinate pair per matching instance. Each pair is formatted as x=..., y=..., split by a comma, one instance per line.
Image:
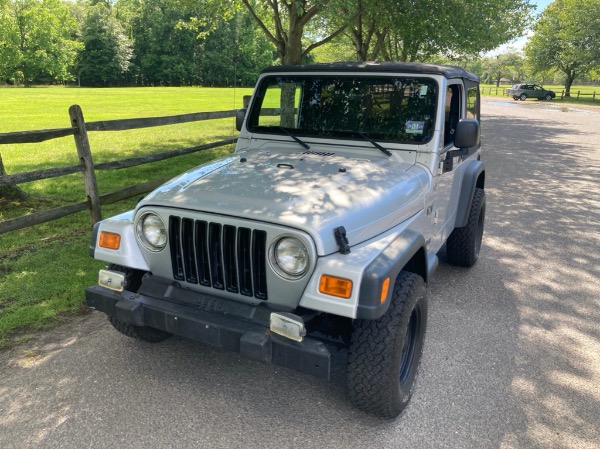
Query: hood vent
x=319, y=153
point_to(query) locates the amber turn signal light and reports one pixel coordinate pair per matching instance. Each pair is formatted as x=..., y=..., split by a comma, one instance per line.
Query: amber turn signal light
x=109, y=240
x=334, y=286
x=384, y=290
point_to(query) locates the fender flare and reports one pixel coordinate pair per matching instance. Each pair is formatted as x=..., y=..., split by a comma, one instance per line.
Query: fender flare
x=473, y=177
x=408, y=248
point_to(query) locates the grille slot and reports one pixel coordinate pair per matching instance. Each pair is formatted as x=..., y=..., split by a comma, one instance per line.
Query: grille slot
x=215, y=256
x=175, y=244
x=223, y=257
x=259, y=257
x=187, y=245
x=229, y=258
x=202, y=253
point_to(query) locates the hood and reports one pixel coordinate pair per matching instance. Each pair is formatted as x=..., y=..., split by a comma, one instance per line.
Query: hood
x=312, y=192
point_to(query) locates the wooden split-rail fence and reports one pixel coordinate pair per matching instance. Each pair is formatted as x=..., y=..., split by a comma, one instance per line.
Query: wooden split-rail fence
x=79, y=130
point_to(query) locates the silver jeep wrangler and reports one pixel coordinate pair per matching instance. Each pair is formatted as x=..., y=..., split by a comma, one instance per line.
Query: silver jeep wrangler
x=319, y=233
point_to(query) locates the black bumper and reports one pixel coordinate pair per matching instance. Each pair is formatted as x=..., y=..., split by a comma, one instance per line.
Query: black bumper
x=249, y=338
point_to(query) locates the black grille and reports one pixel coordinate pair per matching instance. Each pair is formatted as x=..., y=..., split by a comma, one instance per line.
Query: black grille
x=219, y=256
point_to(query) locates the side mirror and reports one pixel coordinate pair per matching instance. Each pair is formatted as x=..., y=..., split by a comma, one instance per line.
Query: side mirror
x=467, y=133
x=239, y=118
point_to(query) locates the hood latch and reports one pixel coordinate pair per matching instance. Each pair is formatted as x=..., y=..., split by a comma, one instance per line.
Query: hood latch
x=341, y=239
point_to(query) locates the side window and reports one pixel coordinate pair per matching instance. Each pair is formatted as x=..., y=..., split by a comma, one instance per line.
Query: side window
x=452, y=114
x=472, y=105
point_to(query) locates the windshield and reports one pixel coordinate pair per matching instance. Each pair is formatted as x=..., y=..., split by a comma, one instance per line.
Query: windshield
x=394, y=109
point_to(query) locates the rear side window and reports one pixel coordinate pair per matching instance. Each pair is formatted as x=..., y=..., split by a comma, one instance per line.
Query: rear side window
x=472, y=106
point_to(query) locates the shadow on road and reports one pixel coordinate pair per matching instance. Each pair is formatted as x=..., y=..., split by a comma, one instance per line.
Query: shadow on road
x=543, y=231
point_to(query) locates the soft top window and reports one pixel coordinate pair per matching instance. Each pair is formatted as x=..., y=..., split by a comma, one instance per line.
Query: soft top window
x=395, y=109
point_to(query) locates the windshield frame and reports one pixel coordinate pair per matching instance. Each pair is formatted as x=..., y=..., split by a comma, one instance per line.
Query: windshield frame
x=367, y=79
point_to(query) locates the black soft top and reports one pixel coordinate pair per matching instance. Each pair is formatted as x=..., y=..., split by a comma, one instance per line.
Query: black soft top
x=449, y=71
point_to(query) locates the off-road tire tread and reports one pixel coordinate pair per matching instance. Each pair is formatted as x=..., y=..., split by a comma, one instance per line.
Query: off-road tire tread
x=460, y=246
x=371, y=354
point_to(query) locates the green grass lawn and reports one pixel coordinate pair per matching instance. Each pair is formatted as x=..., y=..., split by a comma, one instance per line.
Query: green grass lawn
x=44, y=269
x=585, y=97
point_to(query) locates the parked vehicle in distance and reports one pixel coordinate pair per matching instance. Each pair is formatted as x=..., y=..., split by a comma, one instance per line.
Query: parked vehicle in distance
x=320, y=232
x=524, y=91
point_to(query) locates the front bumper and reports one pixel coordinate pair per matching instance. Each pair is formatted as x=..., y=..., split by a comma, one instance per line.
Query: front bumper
x=219, y=322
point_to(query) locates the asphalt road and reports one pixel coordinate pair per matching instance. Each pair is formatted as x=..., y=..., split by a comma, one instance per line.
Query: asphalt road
x=512, y=356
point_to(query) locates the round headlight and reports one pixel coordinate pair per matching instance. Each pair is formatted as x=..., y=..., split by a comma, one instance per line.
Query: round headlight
x=291, y=256
x=152, y=232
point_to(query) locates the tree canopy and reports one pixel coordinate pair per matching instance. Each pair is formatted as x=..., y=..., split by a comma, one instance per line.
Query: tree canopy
x=37, y=40
x=107, y=53
x=567, y=38
x=225, y=42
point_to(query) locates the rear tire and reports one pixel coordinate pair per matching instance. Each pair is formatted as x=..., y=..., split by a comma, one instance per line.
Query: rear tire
x=133, y=281
x=463, y=245
x=523, y=97
x=385, y=353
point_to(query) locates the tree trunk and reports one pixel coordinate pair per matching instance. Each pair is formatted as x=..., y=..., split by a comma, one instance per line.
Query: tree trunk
x=9, y=191
x=568, y=83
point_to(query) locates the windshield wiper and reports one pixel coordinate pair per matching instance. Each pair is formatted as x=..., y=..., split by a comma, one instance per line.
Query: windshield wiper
x=375, y=144
x=286, y=131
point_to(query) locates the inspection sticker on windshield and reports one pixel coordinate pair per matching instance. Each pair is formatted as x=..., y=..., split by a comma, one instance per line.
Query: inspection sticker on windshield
x=415, y=127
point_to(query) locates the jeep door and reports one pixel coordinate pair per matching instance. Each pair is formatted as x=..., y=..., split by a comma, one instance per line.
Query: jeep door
x=459, y=103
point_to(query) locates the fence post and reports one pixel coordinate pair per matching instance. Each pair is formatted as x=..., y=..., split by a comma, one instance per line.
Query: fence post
x=578, y=92
x=85, y=158
x=594, y=96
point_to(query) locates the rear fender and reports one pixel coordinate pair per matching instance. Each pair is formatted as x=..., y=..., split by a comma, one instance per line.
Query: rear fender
x=474, y=177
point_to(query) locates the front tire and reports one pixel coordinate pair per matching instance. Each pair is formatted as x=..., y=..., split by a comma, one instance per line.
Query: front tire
x=385, y=353
x=144, y=333
x=523, y=97
x=464, y=244
x=133, y=281
x=548, y=97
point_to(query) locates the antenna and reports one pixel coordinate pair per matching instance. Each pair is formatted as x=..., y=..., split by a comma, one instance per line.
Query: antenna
x=235, y=61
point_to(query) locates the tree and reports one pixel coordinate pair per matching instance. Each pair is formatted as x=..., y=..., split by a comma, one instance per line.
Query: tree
x=567, y=38
x=107, y=53
x=369, y=25
x=235, y=52
x=165, y=52
x=506, y=65
x=420, y=30
x=37, y=42
x=284, y=23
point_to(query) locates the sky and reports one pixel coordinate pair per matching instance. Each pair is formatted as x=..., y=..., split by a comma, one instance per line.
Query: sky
x=520, y=43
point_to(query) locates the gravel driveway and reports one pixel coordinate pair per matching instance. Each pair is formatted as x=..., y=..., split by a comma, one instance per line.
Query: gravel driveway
x=512, y=356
